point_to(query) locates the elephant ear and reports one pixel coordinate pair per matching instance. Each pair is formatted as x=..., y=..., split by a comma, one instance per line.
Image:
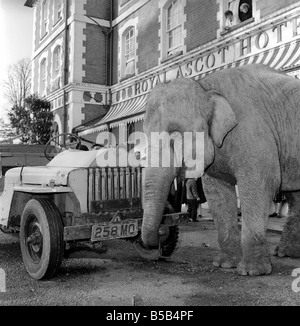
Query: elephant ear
x=222, y=118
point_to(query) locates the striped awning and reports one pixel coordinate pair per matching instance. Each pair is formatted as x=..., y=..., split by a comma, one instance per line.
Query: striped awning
x=281, y=57
x=120, y=113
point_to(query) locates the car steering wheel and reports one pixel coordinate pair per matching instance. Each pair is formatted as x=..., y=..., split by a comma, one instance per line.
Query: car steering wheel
x=54, y=144
x=95, y=144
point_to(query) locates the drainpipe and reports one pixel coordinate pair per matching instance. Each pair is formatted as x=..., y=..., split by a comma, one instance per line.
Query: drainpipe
x=65, y=79
x=108, y=65
x=111, y=53
x=106, y=34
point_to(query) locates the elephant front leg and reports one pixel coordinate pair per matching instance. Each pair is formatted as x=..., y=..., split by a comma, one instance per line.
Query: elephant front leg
x=255, y=202
x=222, y=201
x=289, y=244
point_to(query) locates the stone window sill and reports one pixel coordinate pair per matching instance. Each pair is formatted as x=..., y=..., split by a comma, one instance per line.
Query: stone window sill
x=126, y=77
x=57, y=22
x=43, y=36
x=172, y=56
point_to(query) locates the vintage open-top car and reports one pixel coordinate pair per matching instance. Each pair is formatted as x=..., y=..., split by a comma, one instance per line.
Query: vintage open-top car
x=73, y=199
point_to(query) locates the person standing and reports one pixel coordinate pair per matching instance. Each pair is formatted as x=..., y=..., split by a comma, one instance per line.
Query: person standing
x=202, y=198
x=280, y=202
x=192, y=198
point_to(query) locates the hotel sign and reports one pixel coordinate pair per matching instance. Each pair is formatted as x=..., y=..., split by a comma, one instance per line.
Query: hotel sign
x=244, y=49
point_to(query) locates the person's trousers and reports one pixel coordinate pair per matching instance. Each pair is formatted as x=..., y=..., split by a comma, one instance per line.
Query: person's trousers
x=192, y=208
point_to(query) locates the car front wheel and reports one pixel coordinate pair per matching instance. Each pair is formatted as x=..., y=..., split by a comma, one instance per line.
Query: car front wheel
x=41, y=238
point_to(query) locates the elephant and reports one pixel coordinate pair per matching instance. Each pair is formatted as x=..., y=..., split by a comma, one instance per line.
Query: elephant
x=249, y=117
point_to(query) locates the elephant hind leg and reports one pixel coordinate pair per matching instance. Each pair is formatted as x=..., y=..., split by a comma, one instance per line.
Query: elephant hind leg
x=222, y=201
x=289, y=244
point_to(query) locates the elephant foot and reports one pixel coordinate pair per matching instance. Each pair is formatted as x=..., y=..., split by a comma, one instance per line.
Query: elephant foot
x=226, y=260
x=287, y=250
x=263, y=267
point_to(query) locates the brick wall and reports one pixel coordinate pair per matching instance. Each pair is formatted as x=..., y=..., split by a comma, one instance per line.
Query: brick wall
x=201, y=22
x=268, y=7
x=92, y=111
x=95, y=55
x=148, y=40
x=115, y=46
x=123, y=5
x=99, y=9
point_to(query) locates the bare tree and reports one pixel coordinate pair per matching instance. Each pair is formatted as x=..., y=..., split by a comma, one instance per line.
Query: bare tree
x=18, y=84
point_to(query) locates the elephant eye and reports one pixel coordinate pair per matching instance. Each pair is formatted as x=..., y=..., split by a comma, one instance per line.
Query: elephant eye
x=173, y=127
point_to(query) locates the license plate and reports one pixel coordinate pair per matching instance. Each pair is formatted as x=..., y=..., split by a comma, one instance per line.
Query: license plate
x=109, y=231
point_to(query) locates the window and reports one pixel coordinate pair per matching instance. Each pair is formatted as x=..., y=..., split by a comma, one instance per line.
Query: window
x=56, y=69
x=130, y=52
x=172, y=32
x=123, y=2
x=43, y=74
x=56, y=61
x=237, y=12
x=58, y=10
x=245, y=10
x=174, y=28
x=128, y=46
x=45, y=20
x=130, y=130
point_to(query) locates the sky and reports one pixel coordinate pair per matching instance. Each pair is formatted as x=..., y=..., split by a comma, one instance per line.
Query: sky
x=16, y=38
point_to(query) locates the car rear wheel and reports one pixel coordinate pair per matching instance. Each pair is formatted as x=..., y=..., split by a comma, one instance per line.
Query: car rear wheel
x=41, y=238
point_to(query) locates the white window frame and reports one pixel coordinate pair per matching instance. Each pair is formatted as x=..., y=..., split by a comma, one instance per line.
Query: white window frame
x=56, y=61
x=233, y=5
x=121, y=6
x=174, y=27
x=164, y=47
x=58, y=11
x=44, y=18
x=56, y=68
x=123, y=59
x=129, y=51
x=43, y=75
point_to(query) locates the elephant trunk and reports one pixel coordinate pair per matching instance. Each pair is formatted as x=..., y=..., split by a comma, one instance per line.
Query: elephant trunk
x=157, y=187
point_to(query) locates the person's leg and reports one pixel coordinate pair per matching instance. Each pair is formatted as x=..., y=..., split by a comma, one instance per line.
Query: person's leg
x=189, y=208
x=195, y=209
x=192, y=209
x=277, y=210
x=199, y=211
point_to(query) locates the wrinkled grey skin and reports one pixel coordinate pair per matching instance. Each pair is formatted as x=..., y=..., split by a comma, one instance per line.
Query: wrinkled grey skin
x=251, y=120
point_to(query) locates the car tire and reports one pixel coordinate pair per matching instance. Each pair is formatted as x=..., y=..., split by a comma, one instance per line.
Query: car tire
x=41, y=238
x=170, y=244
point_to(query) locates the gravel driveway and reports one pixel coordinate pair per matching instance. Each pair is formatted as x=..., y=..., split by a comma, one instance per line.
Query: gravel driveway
x=119, y=277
